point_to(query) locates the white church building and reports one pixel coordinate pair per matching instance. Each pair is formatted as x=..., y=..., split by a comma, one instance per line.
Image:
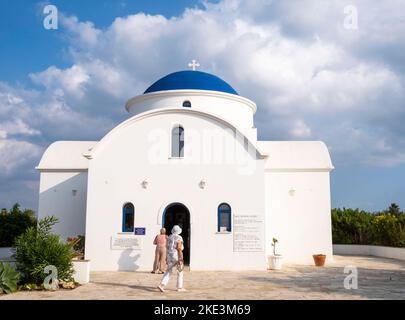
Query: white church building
x=188, y=154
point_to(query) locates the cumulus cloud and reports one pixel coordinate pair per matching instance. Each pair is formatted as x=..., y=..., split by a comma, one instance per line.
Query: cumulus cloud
x=71, y=80
x=310, y=77
x=15, y=154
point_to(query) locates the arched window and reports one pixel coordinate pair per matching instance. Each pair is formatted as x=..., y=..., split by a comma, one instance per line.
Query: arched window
x=224, y=217
x=187, y=104
x=128, y=215
x=178, y=142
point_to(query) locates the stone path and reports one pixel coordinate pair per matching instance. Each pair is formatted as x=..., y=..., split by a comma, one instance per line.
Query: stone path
x=378, y=278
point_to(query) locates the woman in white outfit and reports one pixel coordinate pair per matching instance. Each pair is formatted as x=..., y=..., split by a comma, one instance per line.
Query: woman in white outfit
x=174, y=259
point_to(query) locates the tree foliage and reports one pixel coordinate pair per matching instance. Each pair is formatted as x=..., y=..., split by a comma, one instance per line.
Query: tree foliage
x=354, y=226
x=13, y=223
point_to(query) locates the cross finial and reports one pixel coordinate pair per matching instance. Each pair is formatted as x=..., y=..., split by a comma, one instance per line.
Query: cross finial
x=194, y=64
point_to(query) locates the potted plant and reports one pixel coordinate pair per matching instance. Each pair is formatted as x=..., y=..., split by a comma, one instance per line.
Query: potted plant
x=275, y=259
x=319, y=259
x=81, y=267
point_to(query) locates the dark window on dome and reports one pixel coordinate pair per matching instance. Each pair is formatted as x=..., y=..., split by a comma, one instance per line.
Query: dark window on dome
x=187, y=104
x=178, y=142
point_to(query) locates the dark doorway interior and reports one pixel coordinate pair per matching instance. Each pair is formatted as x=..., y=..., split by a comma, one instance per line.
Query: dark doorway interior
x=178, y=213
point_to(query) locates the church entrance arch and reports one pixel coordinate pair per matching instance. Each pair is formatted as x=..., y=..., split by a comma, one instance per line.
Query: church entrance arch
x=177, y=213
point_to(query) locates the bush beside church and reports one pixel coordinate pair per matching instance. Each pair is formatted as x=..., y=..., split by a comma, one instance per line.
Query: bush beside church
x=38, y=253
x=354, y=226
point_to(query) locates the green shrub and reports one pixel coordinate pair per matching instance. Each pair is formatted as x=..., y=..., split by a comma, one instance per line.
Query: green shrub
x=389, y=230
x=351, y=226
x=9, y=278
x=386, y=228
x=38, y=247
x=13, y=223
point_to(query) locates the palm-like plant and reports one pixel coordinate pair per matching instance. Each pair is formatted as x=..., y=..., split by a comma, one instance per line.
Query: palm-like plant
x=273, y=244
x=38, y=248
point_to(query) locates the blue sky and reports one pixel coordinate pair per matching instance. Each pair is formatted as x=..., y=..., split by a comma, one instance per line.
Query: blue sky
x=27, y=47
x=311, y=77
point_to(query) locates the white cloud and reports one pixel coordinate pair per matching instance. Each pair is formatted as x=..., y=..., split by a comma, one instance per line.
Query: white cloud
x=71, y=80
x=18, y=127
x=300, y=129
x=85, y=33
x=15, y=154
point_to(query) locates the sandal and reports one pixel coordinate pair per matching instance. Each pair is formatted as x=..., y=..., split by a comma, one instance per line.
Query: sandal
x=161, y=288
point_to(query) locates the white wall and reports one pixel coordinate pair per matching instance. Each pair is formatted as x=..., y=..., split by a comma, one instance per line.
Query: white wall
x=379, y=251
x=135, y=153
x=56, y=198
x=300, y=221
x=235, y=109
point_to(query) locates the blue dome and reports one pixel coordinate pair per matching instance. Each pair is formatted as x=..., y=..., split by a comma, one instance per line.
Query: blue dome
x=195, y=80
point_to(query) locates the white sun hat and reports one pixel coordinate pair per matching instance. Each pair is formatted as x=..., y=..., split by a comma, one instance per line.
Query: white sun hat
x=176, y=230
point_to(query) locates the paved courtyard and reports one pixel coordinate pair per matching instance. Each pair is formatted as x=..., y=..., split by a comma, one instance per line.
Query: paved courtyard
x=377, y=279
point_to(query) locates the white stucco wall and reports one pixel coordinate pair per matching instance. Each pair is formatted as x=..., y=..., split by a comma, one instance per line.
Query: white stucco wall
x=298, y=214
x=369, y=250
x=56, y=198
x=298, y=198
x=135, y=152
x=233, y=108
x=66, y=155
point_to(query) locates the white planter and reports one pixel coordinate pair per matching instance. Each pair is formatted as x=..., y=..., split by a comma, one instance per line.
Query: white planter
x=276, y=262
x=81, y=271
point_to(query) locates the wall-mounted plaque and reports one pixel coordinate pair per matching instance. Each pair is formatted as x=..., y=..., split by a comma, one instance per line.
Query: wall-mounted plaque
x=248, y=233
x=126, y=242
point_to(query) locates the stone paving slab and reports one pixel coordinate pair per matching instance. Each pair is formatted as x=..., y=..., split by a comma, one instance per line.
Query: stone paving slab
x=378, y=278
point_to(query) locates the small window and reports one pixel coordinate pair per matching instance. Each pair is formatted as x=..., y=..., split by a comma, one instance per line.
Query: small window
x=128, y=215
x=178, y=142
x=187, y=104
x=224, y=217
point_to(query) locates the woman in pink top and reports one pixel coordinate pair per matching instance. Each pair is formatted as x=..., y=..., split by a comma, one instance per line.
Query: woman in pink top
x=159, y=266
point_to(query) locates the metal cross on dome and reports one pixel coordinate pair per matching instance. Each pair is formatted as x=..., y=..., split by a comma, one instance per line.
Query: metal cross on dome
x=194, y=64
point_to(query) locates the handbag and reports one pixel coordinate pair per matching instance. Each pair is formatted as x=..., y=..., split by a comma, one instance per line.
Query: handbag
x=180, y=266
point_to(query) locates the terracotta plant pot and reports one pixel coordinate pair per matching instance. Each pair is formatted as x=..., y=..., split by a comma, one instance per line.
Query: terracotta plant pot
x=319, y=259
